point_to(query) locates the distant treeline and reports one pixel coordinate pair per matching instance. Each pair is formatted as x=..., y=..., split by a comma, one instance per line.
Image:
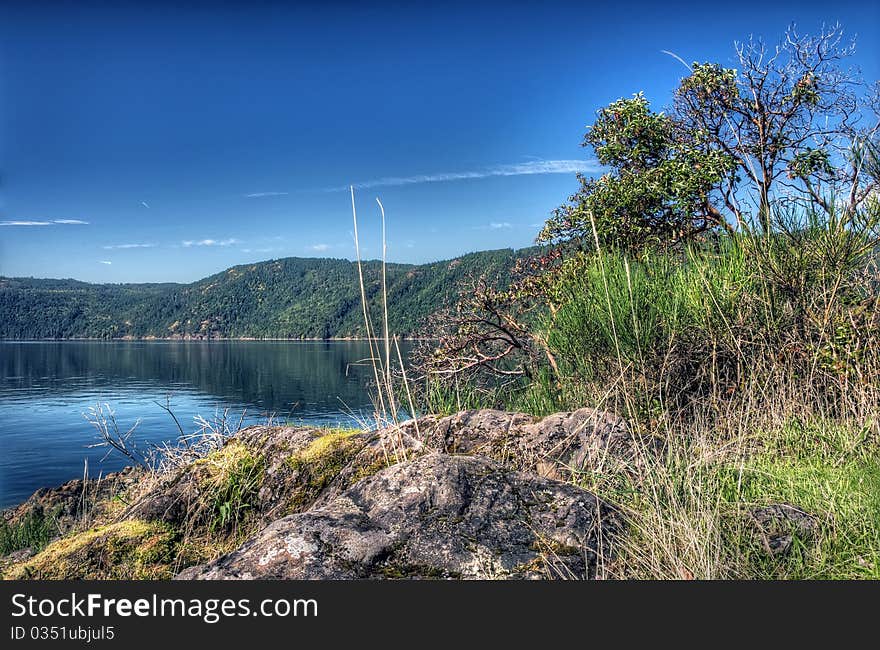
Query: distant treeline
x=285, y=298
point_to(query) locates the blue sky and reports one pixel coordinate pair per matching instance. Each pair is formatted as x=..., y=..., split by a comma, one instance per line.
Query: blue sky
x=147, y=142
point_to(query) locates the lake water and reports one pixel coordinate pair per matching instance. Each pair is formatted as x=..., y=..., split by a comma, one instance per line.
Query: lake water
x=46, y=387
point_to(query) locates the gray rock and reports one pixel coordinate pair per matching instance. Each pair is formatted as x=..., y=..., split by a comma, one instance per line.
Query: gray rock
x=11, y=559
x=558, y=446
x=778, y=524
x=437, y=516
x=554, y=446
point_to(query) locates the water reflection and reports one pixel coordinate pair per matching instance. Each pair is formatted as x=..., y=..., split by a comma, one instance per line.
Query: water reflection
x=46, y=387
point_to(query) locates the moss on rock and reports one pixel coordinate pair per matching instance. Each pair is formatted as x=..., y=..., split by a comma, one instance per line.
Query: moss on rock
x=127, y=550
x=319, y=463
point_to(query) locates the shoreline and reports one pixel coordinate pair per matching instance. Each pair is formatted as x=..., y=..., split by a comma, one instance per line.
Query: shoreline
x=195, y=339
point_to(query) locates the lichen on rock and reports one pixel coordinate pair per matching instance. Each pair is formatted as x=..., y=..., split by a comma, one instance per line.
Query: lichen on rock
x=437, y=516
x=62, y=509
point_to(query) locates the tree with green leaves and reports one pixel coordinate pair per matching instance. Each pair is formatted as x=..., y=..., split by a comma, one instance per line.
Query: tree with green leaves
x=791, y=122
x=659, y=189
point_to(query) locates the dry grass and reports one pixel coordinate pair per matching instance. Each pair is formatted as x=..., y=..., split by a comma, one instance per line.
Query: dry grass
x=388, y=410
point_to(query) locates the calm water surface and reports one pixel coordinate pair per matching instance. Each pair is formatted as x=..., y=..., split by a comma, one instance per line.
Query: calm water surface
x=45, y=387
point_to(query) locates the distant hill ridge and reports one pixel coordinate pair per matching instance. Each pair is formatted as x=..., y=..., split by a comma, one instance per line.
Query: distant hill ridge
x=285, y=298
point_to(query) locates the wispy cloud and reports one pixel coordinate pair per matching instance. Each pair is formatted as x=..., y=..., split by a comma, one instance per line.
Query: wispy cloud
x=321, y=247
x=211, y=242
x=501, y=225
x=63, y=222
x=145, y=204
x=259, y=250
x=259, y=195
x=111, y=247
x=104, y=262
x=519, y=169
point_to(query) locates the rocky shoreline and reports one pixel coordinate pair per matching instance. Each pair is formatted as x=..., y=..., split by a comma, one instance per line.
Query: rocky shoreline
x=480, y=494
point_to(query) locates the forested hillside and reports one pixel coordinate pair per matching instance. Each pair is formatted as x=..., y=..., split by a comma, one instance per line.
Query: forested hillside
x=284, y=298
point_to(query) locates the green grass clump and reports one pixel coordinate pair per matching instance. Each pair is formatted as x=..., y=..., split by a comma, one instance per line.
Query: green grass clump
x=230, y=485
x=832, y=471
x=621, y=310
x=33, y=530
x=846, y=499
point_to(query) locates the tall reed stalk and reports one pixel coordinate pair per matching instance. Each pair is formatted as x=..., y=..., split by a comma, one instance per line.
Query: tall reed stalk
x=387, y=407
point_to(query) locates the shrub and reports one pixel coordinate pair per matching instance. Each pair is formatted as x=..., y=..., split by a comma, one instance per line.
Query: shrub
x=804, y=295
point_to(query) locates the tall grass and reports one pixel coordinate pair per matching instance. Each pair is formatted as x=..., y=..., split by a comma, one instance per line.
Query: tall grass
x=690, y=508
x=388, y=410
x=747, y=357
x=755, y=358
x=621, y=310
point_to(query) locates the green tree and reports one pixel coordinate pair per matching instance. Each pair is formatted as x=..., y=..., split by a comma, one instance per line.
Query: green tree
x=790, y=122
x=658, y=189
